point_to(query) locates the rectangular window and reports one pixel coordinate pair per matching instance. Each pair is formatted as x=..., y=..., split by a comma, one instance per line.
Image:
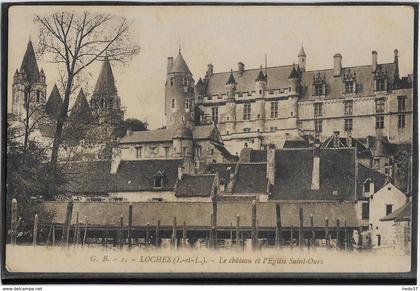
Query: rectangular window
x=173, y=103
x=348, y=124
x=247, y=129
x=380, y=105
x=274, y=109
x=388, y=209
x=158, y=181
x=153, y=151
x=380, y=85
x=376, y=163
x=401, y=103
x=184, y=151
x=318, y=126
x=367, y=186
x=318, y=109
x=187, y=104
x=380, y=122
x=401, y=121
x=185, y=81
x=348, y=107
x=171, y=81
x=167, y=152
x=138, y=152
x=247, y=111
x=319, y=89
x=349, y=86
x=365, y=210
x=215, y=114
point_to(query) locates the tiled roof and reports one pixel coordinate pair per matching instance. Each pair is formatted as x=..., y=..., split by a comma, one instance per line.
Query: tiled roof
x=278, y=80
x=293, y=175
x=105, y=85
x=29, y=64
x=363, y=173
x=195, y=186
x=197, y=214
x=401, y=214
x=54, y=103
x=251, y=178
x=179, y=65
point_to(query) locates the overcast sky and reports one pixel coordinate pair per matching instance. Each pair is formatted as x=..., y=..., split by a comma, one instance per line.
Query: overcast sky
x=226, y=35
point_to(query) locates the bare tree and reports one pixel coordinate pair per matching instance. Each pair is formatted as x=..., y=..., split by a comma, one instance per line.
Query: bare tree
x=75, y=41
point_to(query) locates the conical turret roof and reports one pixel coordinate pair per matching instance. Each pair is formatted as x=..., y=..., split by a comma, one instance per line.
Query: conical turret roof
x=105, y=85
x=302, y=52
x=54, y=103
x=231, y=80
x=180, y=66
x=29, y=64
x=81, y=111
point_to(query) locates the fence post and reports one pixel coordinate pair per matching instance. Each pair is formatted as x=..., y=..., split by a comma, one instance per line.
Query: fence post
x=53, y=235
x=327, y=241
x=157, y=238
x=184, y=234
x=35, y=231
x=211, y=231
x=237, y=230
x=291, y=235
x=120, y=232
x=231, y=232
x=147, y=238
x=173, y=240
x=49, y=233
x=76, y=231
x=300, y=227
x=254, y=225
x=337, y=244
x=312, y=231
x=130, y=225
x=13, y=228
x=67, y=221
x=85, y=233
x=278, y=226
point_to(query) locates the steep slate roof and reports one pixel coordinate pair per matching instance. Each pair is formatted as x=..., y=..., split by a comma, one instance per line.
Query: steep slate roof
x=54, y=103
x=198, y=213
x=296, y=144
x=251, y=178
x=105, y=85
x=29, y=64
x=81, y=111
x=139, y=175
x=231, y=80
x=195, y=186
x=223, y=169
x=301, y=52
x=179, y=65
x=278, y=80
x=363, y=173
x=401, y=214
x=293, y=175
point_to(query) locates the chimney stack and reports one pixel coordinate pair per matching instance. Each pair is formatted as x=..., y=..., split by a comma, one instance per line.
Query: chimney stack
x=271, y=164
x=337, y=65
x=396, y=56
x=209, y=72
x=374, y=61
x=241, y=68
x=315, y=166
x=170, y=63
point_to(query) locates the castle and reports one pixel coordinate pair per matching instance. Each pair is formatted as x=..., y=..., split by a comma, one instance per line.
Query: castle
x=258, y=107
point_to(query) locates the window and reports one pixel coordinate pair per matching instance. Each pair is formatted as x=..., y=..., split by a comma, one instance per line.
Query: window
x=319, y=89
x=365, y=210
x=157, y=199
x=318, y=126
x=138, y=152
x=167, y=152
x=376, y=163
x=380, y=85
x=401, y=121
x=380, y=105
x=261, y=91
x=247, y=111
x=274, y=109
x=215, y=114
x=273, y=128
x=173, y=103
x=366, y=186
x=401, y=103
x=198, y=151
x=158, y=181
x=153, y=151
x=388, y=209
x=348, y=124
x=247, y=129
x=348, y=107
x=187, y=104
x=171, y=81
x=379, y=122
x=185, y=81
x=318, y=109
x=349, y=86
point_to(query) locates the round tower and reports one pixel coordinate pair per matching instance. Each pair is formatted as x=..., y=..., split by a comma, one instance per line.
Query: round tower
x=179, y=93
x=230, y=113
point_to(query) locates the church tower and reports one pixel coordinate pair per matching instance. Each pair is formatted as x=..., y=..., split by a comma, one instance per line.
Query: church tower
x=179, y=93
x=106, y=104
x=28, y=84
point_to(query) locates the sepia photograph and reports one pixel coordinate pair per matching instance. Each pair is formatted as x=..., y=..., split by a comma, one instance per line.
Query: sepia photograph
x=149, y=141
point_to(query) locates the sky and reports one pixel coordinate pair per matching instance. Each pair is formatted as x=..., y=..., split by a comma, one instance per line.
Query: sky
x=224, y=36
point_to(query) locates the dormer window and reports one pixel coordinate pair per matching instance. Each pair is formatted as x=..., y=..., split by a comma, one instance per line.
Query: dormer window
x=349, y=86
x=158, y=180
x=380, y=85
x=319, y=85
x=380, y=81
x=349, y=82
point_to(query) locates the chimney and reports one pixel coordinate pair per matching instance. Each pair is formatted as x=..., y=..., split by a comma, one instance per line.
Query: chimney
x=374, y=61
x=396, y=56
x=315, y=166
x=241, y=68
x=337, y=65
x=271, y=164
x=245, y=155
x=170, y=63
x=209, y=72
